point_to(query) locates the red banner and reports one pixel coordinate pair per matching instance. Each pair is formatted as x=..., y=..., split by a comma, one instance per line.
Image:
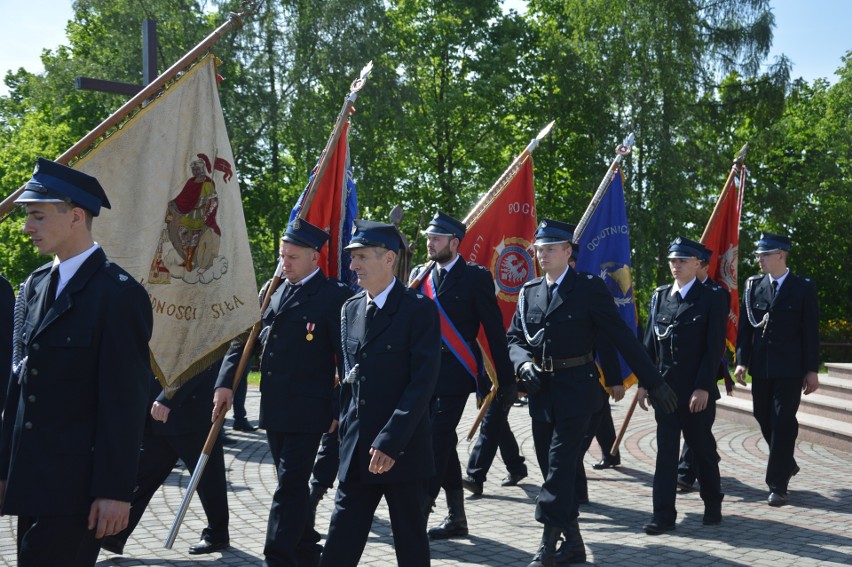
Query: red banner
x=500, y=238
x=333, y=209
x=723, y=238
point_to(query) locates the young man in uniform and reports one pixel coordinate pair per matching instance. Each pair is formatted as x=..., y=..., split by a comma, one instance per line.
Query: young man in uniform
x=551, y=341
x=778, y=342
x=75, y=412
x=685, y=335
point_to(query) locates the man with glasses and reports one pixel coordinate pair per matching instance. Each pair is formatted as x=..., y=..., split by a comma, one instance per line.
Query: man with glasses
x=778, y=342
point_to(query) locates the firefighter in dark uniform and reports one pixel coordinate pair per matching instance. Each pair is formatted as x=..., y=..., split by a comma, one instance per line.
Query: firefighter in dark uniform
x=75, y=412
x=464, y=293
x=778, y=342
x=392, y=343
x=301, y=353
x=551, y=339
x=686, y=474
x=177, y=428
x=685, y=334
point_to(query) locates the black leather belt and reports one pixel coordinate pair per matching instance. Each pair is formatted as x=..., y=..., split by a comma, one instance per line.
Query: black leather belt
x=549, y=364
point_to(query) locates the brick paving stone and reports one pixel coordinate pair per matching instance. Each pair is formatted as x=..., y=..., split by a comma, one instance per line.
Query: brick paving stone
x=815, y=529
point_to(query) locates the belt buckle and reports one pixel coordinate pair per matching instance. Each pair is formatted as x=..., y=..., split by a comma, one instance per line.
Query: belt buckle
x=547, y=364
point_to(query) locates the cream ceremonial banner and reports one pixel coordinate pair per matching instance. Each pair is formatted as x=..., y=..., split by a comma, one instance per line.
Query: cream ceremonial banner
x=177, y=223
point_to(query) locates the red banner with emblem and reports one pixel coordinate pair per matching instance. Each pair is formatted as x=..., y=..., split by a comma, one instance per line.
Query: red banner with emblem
x=723, y=238
x=500, y=238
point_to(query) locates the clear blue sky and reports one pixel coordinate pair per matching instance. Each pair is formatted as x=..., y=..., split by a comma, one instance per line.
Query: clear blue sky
x=814, y=34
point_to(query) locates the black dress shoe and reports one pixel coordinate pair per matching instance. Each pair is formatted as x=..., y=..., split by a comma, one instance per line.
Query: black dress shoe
x=513, y=479
x=606, y=463
x=111, y=544
x=243, y=425
x=776, y=499
x=472, y=485
x=205, y=546
x=684, y=485
x=657, y=527
x=712, y=517
x=449, y=528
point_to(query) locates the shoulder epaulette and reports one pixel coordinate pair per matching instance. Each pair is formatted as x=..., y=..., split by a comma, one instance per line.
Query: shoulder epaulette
x=662, y=287
x=756, y=277
x=117, y=272
x=534, y=281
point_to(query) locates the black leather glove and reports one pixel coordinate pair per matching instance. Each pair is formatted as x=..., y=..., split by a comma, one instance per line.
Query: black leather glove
x=530, y=378
x=663, y=398
x=507, y=394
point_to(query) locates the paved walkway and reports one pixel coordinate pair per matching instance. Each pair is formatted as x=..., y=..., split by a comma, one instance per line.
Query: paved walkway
x=815, y=529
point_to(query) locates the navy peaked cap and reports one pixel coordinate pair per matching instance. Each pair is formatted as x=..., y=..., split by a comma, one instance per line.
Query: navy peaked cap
x=554, y=232
x=444, y=225
x=682, y=247
x=302, y=233
x=56, y=183
x=773, y=242
x=372, y=234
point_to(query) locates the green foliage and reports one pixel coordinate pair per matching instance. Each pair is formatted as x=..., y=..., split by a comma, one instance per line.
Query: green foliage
x=458, y=88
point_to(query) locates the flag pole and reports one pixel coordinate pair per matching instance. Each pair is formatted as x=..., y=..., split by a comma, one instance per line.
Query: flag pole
x=738, y=162
x=620, y=151
x=472, y=216
x=325, y=157
x=248, y=348
x=117, y=117
x=735, y=168
x=493, y=192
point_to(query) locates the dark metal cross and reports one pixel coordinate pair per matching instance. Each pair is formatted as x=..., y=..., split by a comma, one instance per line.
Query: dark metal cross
x=149, y=67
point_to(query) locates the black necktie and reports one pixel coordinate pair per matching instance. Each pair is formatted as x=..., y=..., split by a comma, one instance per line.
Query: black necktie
x=289, y=291
x=439, y=278
x=774, y=289
x=372, y=308
x=678, y=298
x=551, y=290
x=51, y=288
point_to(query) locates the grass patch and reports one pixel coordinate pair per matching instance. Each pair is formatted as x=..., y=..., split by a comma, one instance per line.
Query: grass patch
x=254, y=378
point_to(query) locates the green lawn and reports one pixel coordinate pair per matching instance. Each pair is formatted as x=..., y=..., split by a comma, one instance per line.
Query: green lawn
x=254, y=378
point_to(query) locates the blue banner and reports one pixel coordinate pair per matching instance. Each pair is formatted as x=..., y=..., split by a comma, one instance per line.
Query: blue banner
x=604, y=250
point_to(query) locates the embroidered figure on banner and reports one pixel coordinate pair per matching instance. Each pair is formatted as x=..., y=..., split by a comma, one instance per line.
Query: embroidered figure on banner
x=512, y=264
x=616, y=276
x=188, y=248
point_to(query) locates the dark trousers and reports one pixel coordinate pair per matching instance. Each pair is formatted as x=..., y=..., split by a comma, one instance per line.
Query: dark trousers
x=327, y=462
x=494, y=433
x=696, y=428
x=446, y=412
x=293, y=455
x=56, y=540
x=775, y=405
x=240, y=397
x=581, y=482
x=156, y=461
x=354, y=507
x=605, y=431
x=686, y=465
x=558, y=446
